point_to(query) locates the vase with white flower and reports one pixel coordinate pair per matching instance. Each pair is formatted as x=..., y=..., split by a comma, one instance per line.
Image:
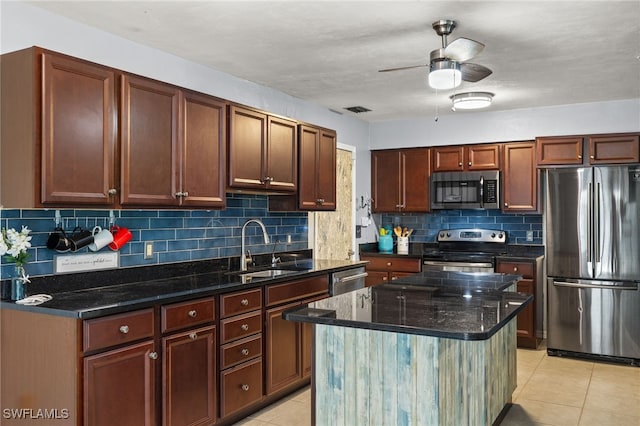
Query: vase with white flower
x=14, y=246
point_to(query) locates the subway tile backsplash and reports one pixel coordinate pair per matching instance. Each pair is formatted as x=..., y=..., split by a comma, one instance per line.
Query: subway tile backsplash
x=427, y=225
x=177, y=235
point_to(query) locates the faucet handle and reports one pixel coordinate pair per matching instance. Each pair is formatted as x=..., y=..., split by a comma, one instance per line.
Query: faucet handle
x=275, y=260
x=247, y=258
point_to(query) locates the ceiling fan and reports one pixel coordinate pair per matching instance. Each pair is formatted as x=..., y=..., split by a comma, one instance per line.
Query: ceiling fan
x=447, y=66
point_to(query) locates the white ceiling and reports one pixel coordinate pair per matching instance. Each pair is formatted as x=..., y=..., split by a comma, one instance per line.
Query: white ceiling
x=328, y=52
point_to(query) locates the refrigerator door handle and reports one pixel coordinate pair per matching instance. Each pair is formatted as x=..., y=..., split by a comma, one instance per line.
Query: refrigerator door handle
x=596, y=224
x=589, y=229
x=605, y=287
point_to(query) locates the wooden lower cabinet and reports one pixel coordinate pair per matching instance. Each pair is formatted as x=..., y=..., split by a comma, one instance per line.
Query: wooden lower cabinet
x=240, y=387
x=189, y=381
x=119, y=386
x=531, y=280
x=382, y=269
x=284, y=341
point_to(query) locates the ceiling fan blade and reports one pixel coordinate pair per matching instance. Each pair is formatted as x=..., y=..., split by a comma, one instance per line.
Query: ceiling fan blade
x=462, y=49
x=474, y=72
x=403, y=68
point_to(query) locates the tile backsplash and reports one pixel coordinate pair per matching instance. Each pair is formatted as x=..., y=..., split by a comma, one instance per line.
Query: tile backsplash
x=177, y=235
x=426, y=226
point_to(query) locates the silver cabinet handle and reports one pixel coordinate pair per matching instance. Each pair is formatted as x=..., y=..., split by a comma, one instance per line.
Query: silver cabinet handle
x=320, y=201
x=153, y=355
x=193, y=313
x=244, y=387
x=112, y=191
x=244, y=302
x=124, y=329
x=245, y=327
x=193, y=336
x=178, y=194
x=185, y=194
x=245, y=352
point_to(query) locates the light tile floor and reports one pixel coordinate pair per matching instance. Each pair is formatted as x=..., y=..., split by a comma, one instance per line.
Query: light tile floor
x=555, y=391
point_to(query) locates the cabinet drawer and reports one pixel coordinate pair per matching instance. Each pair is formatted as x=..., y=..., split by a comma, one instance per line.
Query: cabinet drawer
x=187, y=314
x=240, y=351
x=240, y=302
x=522, y=268
x=296, y=290
x=117, y=329
x=394, y=264
x=240, y=326
x=240, y=386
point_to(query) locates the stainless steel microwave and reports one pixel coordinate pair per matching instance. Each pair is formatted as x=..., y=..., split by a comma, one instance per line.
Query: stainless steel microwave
x=465, y=190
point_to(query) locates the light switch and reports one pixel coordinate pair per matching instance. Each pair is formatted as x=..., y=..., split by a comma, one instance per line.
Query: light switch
x=148, y=250
x=529, y=235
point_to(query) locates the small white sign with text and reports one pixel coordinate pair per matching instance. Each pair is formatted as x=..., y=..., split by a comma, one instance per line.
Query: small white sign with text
x=85, y=262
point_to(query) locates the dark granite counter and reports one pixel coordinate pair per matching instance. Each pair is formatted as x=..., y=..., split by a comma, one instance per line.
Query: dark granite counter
x=514, y=252
x=102, y=298
x=463, y=306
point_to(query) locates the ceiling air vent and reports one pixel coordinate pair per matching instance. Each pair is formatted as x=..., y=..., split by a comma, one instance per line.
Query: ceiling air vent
x=357, y=109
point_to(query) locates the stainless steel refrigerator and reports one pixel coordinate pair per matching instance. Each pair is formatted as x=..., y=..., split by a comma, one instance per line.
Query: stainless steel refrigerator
x=593, y=261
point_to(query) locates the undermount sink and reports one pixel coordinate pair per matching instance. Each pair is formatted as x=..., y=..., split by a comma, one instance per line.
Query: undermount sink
x=269, y=273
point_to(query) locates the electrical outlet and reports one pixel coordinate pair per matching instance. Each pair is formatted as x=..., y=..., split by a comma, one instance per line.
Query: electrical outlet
x=529, y=235
x=148, y=250
x=358, y=231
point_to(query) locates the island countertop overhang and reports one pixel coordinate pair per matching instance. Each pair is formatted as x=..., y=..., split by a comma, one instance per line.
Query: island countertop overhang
x=451, y=305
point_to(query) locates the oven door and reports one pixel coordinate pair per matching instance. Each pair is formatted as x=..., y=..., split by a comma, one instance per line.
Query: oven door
x=439, y=265
x=346, y=281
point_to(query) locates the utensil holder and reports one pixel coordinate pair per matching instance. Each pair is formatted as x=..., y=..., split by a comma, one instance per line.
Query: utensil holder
x=403, y=245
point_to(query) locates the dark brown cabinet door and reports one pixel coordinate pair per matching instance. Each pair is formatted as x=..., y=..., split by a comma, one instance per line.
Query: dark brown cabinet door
x=240, y=387
x=282, y=155
x=386, y=174
x=203, y=163
x=282, y=356
x=415, y=179
x=482, y=157
x=520, y=178
x=189, y=379
x=559, y=150
x=526, y=324
x=149, y=142
x=526, y=327
x=78, y=132
x=317, y=180
x=247, y=143
x=615, y=149
x=448, y=158
x=119, y=387
x=307, y=349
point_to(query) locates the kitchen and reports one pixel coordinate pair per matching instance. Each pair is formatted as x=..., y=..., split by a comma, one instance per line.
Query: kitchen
x=26, y=25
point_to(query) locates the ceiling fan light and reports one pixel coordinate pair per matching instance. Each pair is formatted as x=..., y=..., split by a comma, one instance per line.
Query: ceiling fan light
x=472, y=100
x=445, y=75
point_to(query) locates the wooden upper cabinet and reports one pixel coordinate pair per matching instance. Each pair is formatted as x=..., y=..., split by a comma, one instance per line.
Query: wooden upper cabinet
x=466, y=157
x=317, y=176
x=614, y=149
x=559, y=150
x=58, y=131
x=262, y=151
x=400, y=180
x=519, y=178
x=203, y=165
x=149, y=119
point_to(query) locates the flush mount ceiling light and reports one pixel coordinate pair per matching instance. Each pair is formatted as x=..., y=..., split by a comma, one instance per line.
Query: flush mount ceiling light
x=471, y=100
x=444, y=75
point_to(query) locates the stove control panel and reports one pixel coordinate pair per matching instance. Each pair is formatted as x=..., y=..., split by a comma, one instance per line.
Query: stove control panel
x=473, y=235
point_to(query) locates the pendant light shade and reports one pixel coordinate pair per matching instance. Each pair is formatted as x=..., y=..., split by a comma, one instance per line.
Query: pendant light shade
x=444, y=75
x=471, y=100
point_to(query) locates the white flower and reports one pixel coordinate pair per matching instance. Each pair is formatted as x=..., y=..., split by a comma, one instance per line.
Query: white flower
x=3, y=246
x=15, y=244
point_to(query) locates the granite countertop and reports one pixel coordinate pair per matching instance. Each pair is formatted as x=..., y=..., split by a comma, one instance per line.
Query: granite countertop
x=455, y=305
x=100, y=300
x=514, y=251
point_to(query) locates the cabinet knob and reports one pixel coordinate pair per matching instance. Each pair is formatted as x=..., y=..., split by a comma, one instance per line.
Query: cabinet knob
x=185, y=194
x=124, y=329
x=592, y=157
x=112, y=191
x=320, y=201
x=153, y=355
x=580, y=157
x=384, y=278
x=179, y=194
x=245, y=387
x=193, y=336
x=192, y=313
x=245, y=352
x=388, y=263
x=245, y=327
x=506, y=204
x=469, y=163
x=244, y=302
x=515, y=269
x=394, y=278
x=460, y=164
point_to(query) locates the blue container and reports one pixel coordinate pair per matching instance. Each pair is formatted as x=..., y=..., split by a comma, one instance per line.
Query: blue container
x=385, y=243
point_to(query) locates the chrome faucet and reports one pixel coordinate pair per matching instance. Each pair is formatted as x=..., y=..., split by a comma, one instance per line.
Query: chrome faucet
x=245, y=256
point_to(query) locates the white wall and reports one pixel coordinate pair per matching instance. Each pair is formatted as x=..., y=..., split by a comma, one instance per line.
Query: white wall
x=23, y=25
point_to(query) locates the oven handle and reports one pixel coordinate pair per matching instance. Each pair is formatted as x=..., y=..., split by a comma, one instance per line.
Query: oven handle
x=351, y=277
x=464, y=264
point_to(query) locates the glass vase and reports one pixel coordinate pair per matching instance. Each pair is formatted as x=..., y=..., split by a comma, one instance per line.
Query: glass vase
x=18, y=282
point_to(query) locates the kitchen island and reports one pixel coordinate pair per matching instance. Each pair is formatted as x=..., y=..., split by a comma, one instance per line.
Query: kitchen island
x=425, y=350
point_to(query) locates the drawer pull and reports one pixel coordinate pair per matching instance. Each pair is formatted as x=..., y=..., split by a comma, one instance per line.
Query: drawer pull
x=515, y=269
x=384, y=278
x=245, y=327
x=153, y=355
x=244, y=387
x=193, y=313
x=245, y=352
x=244, y=302
x=388, y=263
x=124, y=329
x=193, y=336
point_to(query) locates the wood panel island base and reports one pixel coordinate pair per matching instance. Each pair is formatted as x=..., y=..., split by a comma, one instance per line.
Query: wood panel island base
x=415, y=354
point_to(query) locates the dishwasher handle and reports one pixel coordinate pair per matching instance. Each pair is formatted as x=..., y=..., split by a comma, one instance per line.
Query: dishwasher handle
x=600, y=286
